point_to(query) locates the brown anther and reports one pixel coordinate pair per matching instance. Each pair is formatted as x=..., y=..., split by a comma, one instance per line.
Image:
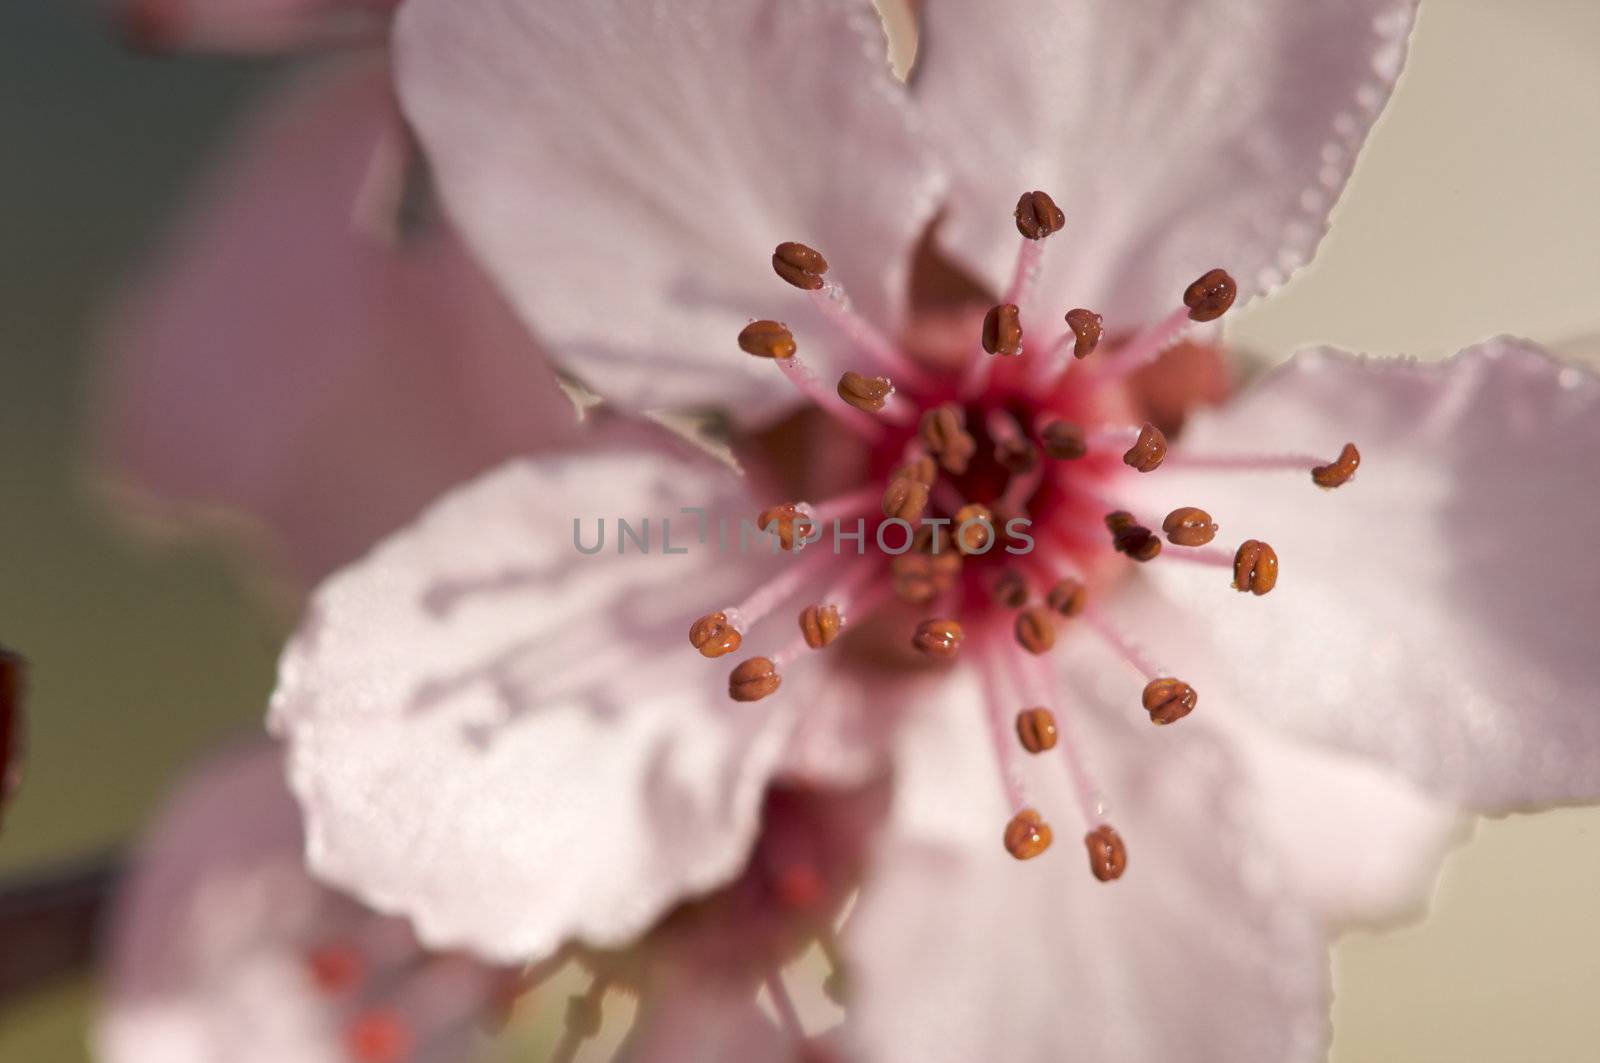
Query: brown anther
x=767, y=339
x=1209, y=297
x=1038, y=216
x=868, y=393
x=1016, y=455
x=1340, y=470
x=923, y=470
x=932, y=539
x=943, y=431
x=1064, y=440
x=1148, y=451
x=1002, y=330
x=791, y=524
x=713, y=636
x=1010, y=589
x=905, y=498
x=819, y=624
x=1067, y=597
x=1188, y=526
x=918, y=578
x=1036, y=632
x=974, y=528
x=800, y=265
x=1168, y=700
x=1027, y=835
x=1108, y=857
x=1255, y=567
x=939, y=639
x=1036, y=729
x=1130, y=537
x=1086, y=326
x=753, y=679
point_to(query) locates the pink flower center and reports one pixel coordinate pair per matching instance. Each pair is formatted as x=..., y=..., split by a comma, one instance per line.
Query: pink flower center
x=987, y=501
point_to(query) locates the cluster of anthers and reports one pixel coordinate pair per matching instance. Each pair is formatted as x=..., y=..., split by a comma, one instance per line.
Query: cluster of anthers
x=991, y=486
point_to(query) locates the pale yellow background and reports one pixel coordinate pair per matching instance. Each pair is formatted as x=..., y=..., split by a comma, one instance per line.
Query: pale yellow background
x=1471, y=212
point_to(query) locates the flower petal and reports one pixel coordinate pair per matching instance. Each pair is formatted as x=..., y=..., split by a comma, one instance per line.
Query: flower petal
x=1200, y=951
x=679, y=144
x=1177, y=135
x=281, y=363
x=511, y=742
x=211, y=942
x=1437, y=612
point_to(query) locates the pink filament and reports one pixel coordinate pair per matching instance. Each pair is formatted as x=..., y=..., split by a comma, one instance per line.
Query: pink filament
x=834, y=304
x=827, y=399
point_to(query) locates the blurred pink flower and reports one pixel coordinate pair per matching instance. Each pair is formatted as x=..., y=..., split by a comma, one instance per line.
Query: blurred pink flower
x=282, y=364
x=223, y=948
x=507, y=741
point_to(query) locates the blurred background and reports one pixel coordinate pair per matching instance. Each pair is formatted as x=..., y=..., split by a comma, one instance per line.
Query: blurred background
x=1473, y=211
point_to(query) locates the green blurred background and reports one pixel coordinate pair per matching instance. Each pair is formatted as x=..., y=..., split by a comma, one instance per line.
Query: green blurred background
x=1488, y=160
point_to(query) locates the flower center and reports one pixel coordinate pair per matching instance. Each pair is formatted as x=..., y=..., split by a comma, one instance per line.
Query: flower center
x=988, y=501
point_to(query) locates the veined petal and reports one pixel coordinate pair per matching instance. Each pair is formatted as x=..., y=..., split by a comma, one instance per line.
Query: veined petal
x=511, y=741
x=1201, y=951
x=281, y=363
x=1437, y=612
x=1178, y=135
x=625, y=171
x=213, y=942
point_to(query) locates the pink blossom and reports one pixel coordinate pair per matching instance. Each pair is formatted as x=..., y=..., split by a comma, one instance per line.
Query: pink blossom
x=508, y=742
x=224, y=948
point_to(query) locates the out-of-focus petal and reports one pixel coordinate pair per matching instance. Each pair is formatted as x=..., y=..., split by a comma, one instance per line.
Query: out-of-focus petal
x=625, y=170
x=691, y=1015
x=1436, y=613
x=1178, y=135
x=251, y=26
x=213, y=944
x=511, y=741
x=1201, y=951
x=281, y=363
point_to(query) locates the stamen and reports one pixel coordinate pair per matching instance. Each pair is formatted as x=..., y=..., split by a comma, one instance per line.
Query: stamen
x=1038, y=688
x=918, y=578
x=849, y=504
x=1068, y=596
x=753, y=680
x=1168, y=700
x=874, y=394
x=923, y=469
x=1035, y=631
x=1340, y=470
x=944, y=434
x=1255, y=567
x=790, y=523
x=1209, y=297
x=836, y=982
x=1063, y=440
x=1108, y=856
x=1036, y=729
x=1010, y=589
x=336, y=967
x=1027, y=835
x=1148, y=451
x=1205, y=300
x=1038, y=216
x=974, y=528
x=939, y=639
x=906, y=498
x=1002, y=331
x=713, y=636
x=1130, y=537
x=1086, y=326
x=1189, y=526
x=819, y=625
x=1123, y=645
x=584, y=1019
x=767, y=339
x=769, y=595
x=800, y=265
x=160, y=26
x=806, y=382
